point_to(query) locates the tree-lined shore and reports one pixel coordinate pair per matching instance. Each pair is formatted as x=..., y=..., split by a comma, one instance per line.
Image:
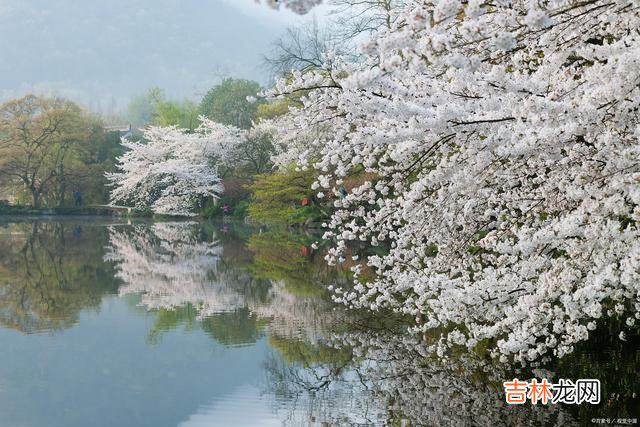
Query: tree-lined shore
x=179, y=158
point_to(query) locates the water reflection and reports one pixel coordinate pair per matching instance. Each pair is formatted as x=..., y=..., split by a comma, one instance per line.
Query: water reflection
x=386, y=378
x=239, y=321
x=49, y=272
x=171, y=267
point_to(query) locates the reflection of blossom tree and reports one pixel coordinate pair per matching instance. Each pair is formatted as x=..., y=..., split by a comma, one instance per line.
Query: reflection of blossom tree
x=294, y=316
x=334, y=372
x=171, y=267
x=461, y=390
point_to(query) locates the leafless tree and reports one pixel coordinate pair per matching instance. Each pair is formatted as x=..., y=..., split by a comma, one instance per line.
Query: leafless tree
x=305, y=47
x=353, y=18
x=301, y=48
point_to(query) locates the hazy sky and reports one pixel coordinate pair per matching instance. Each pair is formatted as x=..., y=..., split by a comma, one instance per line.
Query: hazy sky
x=98, y=50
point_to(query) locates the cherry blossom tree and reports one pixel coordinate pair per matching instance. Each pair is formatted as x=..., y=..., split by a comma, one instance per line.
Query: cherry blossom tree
x=503, y=141
x=172, y=170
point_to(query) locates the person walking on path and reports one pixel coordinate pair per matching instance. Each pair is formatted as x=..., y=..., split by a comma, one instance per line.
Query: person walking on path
x=77, y=197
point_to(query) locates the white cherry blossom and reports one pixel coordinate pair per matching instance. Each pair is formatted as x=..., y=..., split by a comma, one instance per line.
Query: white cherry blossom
x=502, y=142
x=172, y=170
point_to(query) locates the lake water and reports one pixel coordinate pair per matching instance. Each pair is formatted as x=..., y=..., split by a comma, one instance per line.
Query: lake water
x=109, y=323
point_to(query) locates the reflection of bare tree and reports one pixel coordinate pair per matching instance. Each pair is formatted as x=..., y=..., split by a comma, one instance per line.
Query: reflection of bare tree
x=419, y=385
x=394, y=379
x=322, y=394
x=49, y=272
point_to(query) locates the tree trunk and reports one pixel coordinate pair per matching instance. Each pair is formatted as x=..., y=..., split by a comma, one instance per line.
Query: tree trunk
x=62, y=187
x=62, y=192
x=35, y=198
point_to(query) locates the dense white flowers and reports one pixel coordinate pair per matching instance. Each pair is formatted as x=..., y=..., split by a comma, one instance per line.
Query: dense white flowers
x=298, y=6
x=503, y=148
x=537, y=19
x=172, y=170
x=505, y=41
x=446, y=9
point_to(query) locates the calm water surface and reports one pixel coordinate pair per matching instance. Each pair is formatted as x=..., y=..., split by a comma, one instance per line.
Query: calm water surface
x=104, y=323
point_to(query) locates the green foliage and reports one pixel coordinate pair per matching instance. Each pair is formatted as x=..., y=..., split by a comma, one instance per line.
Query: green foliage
x=274, y=109
x=254, y=154
x=182, y=114
x=49, y=148
x=170, y=319
x=227, y=103
x=96, y=158
x=277, y=198
x=240, y=210
x=280, y=106
x=210, y=209
x=236, y=328
x=154, y=108
x=236, y=196
x=278, y=255
x=240, y=327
